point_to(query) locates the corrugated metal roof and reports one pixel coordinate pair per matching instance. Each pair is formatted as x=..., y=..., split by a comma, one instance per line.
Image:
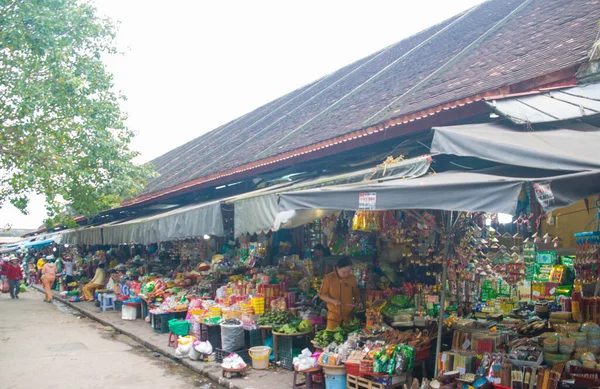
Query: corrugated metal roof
x=550, y=106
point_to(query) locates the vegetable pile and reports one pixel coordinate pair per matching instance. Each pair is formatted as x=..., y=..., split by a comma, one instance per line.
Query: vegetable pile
x=294, y=328
x=276, y=318
x=339, y=335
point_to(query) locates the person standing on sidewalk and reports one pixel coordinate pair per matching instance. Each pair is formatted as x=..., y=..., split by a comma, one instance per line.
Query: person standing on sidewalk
x=3, y=267
x=48, y=278
x=14, y=275
x=68, y=269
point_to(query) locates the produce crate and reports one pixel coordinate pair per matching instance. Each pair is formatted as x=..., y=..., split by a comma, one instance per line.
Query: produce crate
x=177, y=315
x=253, y=338
x=144, y=309
x=160, y=322
x=211, y=334
x=289, y=347
x=354, y=382
x=222, y=354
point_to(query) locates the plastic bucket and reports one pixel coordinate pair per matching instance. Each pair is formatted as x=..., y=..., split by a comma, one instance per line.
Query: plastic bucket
x=260, y=357
x=337, y=381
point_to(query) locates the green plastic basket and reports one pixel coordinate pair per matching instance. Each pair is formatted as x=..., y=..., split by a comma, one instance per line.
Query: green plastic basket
x=179, y=327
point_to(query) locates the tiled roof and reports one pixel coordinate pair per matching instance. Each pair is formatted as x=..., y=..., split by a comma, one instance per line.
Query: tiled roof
x=499, y=43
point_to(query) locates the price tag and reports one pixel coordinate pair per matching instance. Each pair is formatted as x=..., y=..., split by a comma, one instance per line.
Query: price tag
x=461, y=370
x=553, y=291
x=536, y=293
x=466, y=344
x=444, y=357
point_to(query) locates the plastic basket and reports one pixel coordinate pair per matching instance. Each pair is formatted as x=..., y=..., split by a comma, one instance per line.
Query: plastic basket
x=177, y=315
x=144, y=309
x=366, y=367
x=222, y=354
x=211, y=334
x=118, y=305
x=160, y=322
x=179, y=327
x=253, y=338
x=286, y=352
x=353, y=369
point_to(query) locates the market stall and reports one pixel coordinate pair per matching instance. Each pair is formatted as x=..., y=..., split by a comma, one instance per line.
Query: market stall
x=452, y=191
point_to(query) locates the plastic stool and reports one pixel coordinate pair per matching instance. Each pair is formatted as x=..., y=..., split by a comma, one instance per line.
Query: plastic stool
x=173, y=340
x=107, y=301
x=308, y=378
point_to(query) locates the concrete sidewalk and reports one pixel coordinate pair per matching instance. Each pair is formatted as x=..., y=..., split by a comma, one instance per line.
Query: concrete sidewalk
x=141, y=332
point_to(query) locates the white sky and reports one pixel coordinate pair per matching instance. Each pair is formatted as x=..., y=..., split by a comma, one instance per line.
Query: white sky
x=190, y=66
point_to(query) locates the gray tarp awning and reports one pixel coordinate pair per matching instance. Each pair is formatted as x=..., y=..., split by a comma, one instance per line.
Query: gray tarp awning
x=562, y=149
x=192, y=221
x=85, y=235
x=550, y=106
x=258, y=212
x=450, y=191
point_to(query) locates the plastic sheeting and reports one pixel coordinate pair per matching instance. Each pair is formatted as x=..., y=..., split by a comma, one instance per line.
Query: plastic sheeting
x=88, y=236
x=562, y=149
x=451, y=191
x=550, y=106
x=259, y=213
x=192, y=221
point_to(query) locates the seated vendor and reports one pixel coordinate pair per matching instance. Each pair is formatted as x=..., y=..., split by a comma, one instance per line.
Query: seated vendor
x=340, y=292
x=96, y=283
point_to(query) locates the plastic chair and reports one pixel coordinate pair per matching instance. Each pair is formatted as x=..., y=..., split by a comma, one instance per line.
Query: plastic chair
x=107, y=301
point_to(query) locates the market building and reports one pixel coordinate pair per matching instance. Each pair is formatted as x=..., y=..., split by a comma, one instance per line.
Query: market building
x=456, y=169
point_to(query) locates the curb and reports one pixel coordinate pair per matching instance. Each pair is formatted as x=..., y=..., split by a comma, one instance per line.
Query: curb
x=207, y=372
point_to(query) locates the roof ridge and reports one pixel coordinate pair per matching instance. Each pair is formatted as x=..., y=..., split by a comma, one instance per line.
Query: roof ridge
x=374, y=118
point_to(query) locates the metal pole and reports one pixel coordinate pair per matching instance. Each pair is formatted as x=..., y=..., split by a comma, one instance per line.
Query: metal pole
x=438, y=348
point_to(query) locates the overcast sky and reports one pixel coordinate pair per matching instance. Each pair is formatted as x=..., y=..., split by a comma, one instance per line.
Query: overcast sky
x=190, y=66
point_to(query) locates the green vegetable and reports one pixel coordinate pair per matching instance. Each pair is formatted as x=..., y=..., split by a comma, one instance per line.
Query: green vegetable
x=274, y=318
x=305, y=325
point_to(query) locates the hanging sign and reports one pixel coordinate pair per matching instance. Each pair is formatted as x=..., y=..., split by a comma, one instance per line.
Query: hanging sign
x=367, y=201
x=544, y=194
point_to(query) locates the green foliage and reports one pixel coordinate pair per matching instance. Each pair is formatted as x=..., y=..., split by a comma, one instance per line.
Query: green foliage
x=63, y=132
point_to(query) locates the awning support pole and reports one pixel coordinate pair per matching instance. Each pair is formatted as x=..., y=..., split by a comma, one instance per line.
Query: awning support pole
x=438, y=348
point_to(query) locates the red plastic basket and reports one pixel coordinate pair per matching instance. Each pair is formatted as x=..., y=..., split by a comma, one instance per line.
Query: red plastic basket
x=353, y=369
x=366, y=366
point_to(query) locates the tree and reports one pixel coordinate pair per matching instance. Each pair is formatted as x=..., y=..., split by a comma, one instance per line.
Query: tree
x=63, y=133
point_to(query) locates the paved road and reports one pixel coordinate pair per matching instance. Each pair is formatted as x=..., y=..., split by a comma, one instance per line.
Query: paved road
x=46, y=346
